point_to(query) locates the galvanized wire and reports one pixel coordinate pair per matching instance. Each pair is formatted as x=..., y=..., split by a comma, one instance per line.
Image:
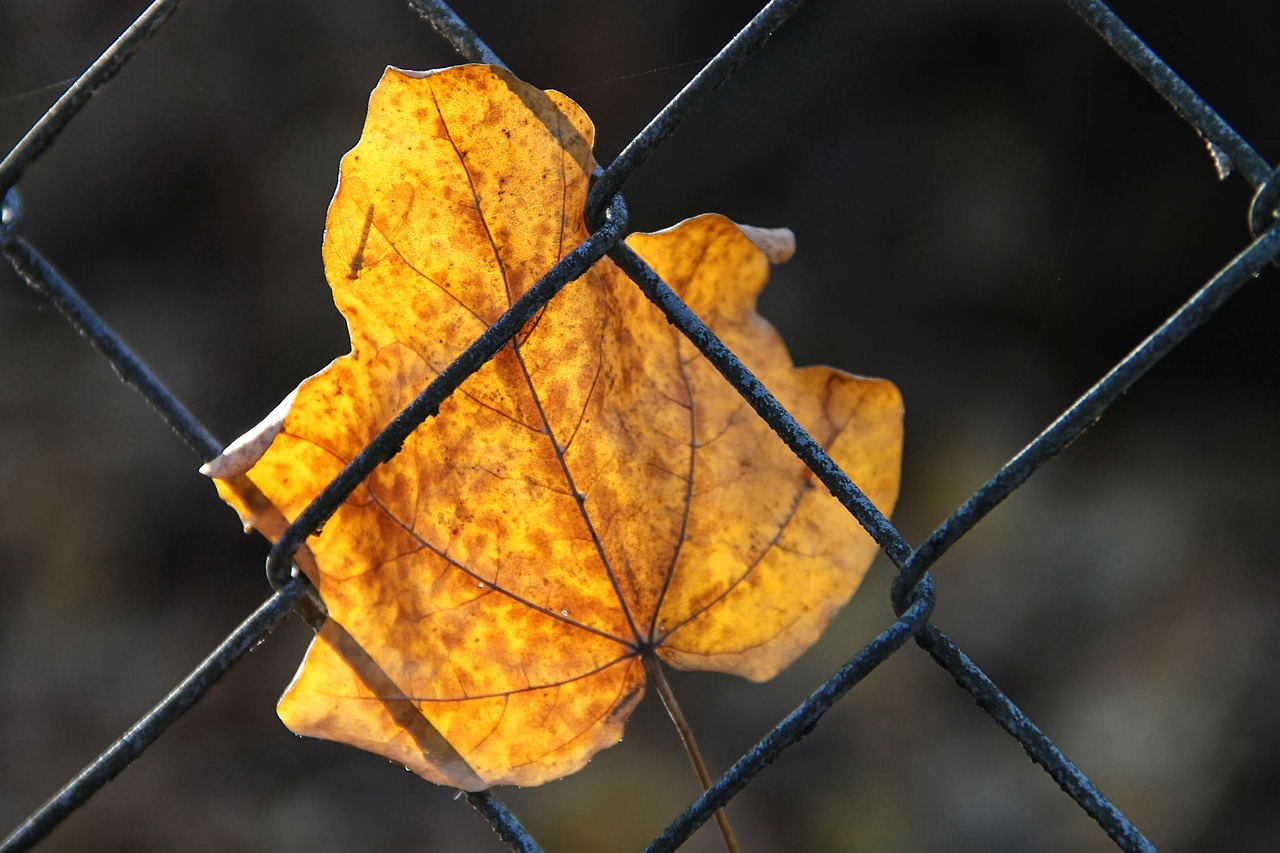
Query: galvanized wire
x=913, y=593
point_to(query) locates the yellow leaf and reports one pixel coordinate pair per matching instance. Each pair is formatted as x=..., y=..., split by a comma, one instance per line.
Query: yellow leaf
x=595, y=495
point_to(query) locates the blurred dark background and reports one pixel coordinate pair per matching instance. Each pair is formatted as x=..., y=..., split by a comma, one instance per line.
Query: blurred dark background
x=991, y=209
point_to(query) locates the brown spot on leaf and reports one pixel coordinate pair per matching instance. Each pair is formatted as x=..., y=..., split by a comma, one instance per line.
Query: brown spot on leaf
x=595, y=493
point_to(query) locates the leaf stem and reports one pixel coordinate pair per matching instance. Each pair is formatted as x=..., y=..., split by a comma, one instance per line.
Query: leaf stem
x=653, y=668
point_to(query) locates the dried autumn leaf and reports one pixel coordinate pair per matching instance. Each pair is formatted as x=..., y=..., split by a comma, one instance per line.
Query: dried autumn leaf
x=595, y=495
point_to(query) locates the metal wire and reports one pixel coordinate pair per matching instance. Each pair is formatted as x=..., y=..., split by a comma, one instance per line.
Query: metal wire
x=721, y=67
x=46, y=130
x=389, y=442
x=799, y=722
x=148, y=729
x=1034, y=742
x=455, y=31
x=1085, y=412
x=913, y=592
x=503, y=822
x=49, y=283
x=1184, y=100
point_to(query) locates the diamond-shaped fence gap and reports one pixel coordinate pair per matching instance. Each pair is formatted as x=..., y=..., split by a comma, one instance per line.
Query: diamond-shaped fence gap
x=1027, y=572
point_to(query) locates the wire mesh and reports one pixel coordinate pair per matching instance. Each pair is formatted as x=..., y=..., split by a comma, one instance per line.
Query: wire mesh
x=913, y=564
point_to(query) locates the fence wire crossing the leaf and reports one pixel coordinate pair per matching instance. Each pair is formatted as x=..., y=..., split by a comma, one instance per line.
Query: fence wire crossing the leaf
x=913, y=593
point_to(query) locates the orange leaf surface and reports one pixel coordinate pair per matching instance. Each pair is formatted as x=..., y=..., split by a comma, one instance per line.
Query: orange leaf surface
x=594, y=495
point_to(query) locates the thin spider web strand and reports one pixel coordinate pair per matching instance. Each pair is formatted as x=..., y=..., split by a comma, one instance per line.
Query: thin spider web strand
x=42, y=134
x=712, y=75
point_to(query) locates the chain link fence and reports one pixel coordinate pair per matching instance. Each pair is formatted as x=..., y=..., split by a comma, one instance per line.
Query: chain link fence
x=992, y=211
